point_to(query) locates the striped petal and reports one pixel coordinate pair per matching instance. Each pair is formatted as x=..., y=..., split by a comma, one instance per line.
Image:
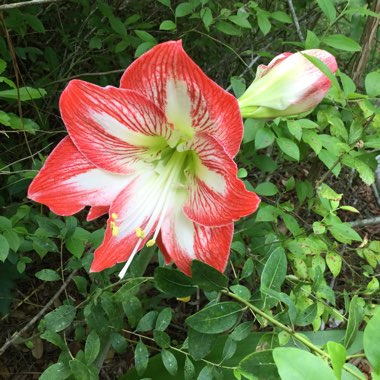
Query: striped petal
x=191, y=101
x=68, y=182
x=216, y=196
x=138, y=206
x=97, y=211
x=184, y=241
x=113, y=128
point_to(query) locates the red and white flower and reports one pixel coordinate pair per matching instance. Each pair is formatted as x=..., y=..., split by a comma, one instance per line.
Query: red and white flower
x=289, y=85
x=157, y=156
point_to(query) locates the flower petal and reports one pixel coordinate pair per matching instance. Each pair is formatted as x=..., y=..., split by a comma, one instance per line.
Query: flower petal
x=113, y=128
x=216, y=196
x=289, y=85
x=135, y=207
x=191, y=101
x=96, y=211
x=68, y=182
x=184, y=241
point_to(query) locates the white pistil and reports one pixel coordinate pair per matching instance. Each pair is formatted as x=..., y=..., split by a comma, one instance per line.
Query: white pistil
x=160, y=210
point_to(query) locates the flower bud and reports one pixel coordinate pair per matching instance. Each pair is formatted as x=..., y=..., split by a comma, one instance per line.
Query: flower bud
x=289, y=85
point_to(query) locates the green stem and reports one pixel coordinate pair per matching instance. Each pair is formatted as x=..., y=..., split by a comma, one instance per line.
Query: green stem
x=290, y=331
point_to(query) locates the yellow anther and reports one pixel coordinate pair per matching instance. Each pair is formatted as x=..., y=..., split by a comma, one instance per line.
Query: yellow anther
x=114, y=216
x=184, y=299
x=112, y=224
x=151, y=243
x=115, y=230
x=140, y=233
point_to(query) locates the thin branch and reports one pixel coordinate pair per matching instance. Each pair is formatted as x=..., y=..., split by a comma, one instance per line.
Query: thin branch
x=17, y=334
x=365, y=222
x=86, y=75
x=295, y=20
x=24, y=4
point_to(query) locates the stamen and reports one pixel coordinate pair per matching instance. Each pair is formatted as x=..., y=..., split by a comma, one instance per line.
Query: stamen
x=115, y=230
x=151, y=243
x=114, y=216
x=140, y=233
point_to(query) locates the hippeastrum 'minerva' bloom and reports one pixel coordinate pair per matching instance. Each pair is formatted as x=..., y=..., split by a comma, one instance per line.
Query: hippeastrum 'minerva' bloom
x=289, y=85
x=157, y=156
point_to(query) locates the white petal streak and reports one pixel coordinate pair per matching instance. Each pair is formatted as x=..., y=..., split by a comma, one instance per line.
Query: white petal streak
x=99, y=185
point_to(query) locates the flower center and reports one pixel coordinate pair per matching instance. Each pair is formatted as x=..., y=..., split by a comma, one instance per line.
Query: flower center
x=171, y=173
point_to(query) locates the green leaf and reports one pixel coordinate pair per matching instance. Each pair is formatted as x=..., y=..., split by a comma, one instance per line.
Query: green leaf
x=81, y=371
x=263, y=22
x=241, y=291
x=341, y=42
x=169, y=361
x=372, y=83
x=161, y=338
x=189, y=369
x=239, y=20
x=327, y=7
x=266, y=188
x=141, y=357
x=371, y=339
x=306, y=316
x=365, y=172
x=325, y=191
x=206, y=16
x=48, y=275
x=58, y=371
x=183, y=9
x=312, y=41
x=281, y=16
x=229, y=349
x=241, y=331
x=173, y=282
x=267, y=213
x=200, y=344
x=60, y=318
x=264, y=138
x=168, y=25
x=143, y=48
x=295, y=129
x=4, y=248
x=312, y=138
x=216, y=318
x=207, y=277
x=296, y=364
x=92, y=347
x=289, y=147
x=334, y=262
x=206, y=373
x=337, y=354
x=228, y=28
x=147, y=322
x=259, y=364
x=163, y=319
x=273, y=274
x=13, y=239
x=355, y=317
x=344, y=233
x=23, y=93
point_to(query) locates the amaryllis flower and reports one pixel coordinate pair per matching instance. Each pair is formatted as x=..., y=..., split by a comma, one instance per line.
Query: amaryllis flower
x=289, y=85
x=157, y=156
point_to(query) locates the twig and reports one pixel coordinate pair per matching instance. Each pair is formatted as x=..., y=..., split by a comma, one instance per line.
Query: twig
x=86, y=75
x=38, y=315
x=295, y=20
x=24, y=4
x=365, y=222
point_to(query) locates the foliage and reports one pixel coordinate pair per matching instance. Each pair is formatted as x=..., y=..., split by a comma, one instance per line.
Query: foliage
x=277, y=301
